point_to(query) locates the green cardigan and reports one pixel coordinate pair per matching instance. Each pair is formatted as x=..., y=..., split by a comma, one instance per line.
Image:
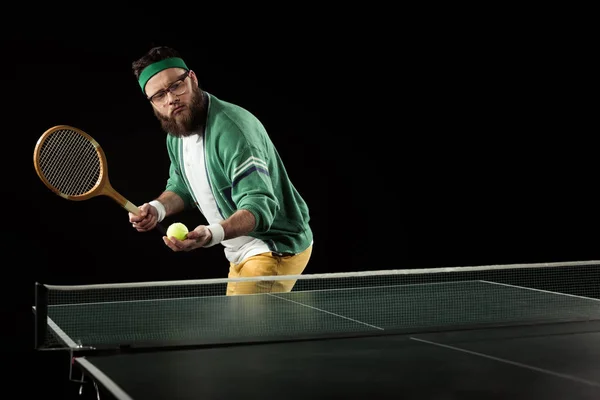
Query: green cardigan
x=245, y=172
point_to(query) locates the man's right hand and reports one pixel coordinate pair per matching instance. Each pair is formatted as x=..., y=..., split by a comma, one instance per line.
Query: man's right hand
x=146, y=220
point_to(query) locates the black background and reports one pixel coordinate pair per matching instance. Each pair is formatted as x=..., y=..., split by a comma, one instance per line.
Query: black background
x=444, y=151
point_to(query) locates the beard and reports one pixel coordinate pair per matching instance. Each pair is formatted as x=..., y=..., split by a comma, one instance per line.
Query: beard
x=189, y=121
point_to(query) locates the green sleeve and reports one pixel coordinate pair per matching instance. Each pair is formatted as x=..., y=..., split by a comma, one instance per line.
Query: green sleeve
x=253, y=190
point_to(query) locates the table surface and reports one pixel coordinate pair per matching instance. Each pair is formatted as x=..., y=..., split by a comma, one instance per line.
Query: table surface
x=410, y=342
x=550, y=362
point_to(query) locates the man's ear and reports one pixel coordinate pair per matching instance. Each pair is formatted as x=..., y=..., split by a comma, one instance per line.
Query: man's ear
x=192, y=75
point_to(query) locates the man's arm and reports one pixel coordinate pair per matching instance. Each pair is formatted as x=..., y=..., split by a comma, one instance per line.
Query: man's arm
x=168, y=203
x=239, y=223
x=171, y=204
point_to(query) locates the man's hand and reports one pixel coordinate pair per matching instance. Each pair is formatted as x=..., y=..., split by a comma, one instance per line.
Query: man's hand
x=147, y=219
x=195, y=239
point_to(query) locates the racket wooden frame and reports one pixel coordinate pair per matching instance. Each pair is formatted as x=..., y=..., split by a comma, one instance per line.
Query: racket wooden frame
x=103, y=186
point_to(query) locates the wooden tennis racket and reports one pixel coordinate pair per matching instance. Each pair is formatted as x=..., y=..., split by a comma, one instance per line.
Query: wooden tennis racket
x=73, y=165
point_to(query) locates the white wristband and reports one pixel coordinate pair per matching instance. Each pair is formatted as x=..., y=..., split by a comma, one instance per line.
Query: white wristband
x=218, y=234
x=160, y=208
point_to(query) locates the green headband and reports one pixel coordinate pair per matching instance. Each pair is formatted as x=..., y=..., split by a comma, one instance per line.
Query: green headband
x=153, y=69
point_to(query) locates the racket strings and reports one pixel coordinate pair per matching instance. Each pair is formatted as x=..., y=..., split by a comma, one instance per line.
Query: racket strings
x=70, y=162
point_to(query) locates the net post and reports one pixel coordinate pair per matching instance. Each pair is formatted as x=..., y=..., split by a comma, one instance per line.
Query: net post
x=41, y=315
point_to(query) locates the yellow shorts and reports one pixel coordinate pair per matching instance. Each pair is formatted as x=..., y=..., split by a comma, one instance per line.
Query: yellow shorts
x=267, y=264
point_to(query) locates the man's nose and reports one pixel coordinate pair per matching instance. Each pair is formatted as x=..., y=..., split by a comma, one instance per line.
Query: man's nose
x=173, y=99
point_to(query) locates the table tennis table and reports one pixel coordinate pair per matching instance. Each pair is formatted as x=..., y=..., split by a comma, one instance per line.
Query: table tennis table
x=494, y=332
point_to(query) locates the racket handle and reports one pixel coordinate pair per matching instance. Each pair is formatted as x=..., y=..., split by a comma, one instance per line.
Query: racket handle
x=109, y=191
x=135, y=210
x=129, y=206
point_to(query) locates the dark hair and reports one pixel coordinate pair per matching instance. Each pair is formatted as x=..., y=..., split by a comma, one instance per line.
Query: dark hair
x=153, y=55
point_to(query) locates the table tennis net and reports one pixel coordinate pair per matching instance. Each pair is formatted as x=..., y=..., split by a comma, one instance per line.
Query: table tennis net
x=198, y=312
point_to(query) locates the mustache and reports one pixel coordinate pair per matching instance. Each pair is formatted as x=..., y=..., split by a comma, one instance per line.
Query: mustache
x=165, y=117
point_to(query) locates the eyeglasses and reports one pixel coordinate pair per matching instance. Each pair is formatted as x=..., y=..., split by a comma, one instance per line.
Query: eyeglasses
x=178, y=88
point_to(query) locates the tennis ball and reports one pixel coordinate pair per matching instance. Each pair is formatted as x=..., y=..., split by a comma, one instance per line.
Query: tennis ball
x=177, y=230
